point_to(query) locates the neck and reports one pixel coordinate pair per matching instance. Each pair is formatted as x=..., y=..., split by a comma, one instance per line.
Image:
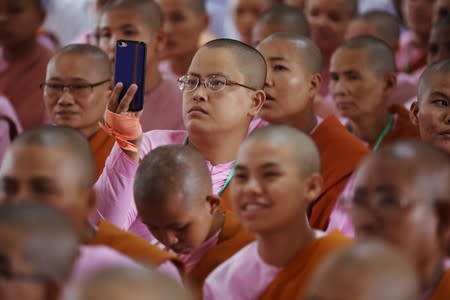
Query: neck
x=18, y=52
x=305, y=121
x=279, y=248
x=90, y=131
x=216, y=147
x=180, y=65
x=152, y=78
x=369, y=127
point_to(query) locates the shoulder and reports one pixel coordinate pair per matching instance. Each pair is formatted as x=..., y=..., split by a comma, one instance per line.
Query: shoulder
x=155, y=138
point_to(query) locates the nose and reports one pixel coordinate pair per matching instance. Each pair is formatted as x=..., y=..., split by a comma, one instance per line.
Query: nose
x=269, y=79
x=200, y=93
x=447, y=117
x=252, y=187
x=170, y=238
x=337, y=87
x=66, y=97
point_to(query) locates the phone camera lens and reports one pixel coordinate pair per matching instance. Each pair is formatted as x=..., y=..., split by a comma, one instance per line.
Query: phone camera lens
x=122, y=44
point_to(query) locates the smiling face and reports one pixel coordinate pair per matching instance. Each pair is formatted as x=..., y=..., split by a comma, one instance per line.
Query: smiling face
x=268, y=191
x=225, y=110
x=183, y=27
x=357, y=90
x=432, y=112
x=82, y=112
x=328, y=20
x=289, y=86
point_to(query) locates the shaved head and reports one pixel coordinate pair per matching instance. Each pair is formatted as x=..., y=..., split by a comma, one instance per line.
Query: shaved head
x=47, y=238
x=303, y=149
x=132, y=284
x=148, y=9
x=283, y=19
x=171, y=169
x=308, y=52
x=250, y=62
x=367, y=272
x=380, y=56
x=96, y=56
x=71, y=141
x=387, y=26
x=441, y=68
x=197, y=6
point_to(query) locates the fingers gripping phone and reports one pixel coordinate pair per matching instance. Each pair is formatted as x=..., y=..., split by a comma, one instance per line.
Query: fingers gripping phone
x=130, y=63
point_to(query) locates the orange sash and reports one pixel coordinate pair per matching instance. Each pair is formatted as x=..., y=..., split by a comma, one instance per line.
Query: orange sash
x=101, y=145
x=442, y=291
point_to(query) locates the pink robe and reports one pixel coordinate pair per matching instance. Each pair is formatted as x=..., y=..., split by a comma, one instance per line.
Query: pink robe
x=9, y=124
x=409, y=56
x=163, y=107
x=19, y=82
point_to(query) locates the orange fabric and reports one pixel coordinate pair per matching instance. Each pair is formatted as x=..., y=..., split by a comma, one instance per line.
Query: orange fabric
x=232, y=238
x=101, y=145
x=124, y=128
x=225, y=199
x=290, y=283
x=403, y=129
x=340, y=154
x=442, y=291
x=131, y=245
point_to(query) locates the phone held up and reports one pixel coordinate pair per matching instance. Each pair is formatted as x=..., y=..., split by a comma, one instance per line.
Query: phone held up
x=130, y=62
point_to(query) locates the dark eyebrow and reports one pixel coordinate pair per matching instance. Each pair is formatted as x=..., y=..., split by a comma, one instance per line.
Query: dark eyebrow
x=276, y=58
x=438, y=94
x=240, y=167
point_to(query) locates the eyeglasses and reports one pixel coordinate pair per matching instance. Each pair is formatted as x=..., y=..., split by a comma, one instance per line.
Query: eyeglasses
x=82, y=89
x=189, y=83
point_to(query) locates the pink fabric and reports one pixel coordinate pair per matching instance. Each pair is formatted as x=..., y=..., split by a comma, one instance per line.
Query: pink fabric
x=7, y=116
x=115, y=186
x=95, y=258
x=408, y=52
x=340, y=219
x=244, y=276
x=19, y=82
x=163, y=107
x=405, y=89
x=192, y=259
x=171, y=271
x=164, y=67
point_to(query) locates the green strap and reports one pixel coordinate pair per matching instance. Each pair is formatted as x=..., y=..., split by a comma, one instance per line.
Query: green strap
x=230, y=175
x=383, y=133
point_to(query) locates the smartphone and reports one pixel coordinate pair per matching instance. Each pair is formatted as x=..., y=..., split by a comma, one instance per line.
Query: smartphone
x=130, y=63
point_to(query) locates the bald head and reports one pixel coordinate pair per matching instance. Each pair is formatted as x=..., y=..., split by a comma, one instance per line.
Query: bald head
x=380, y=57
x=149, y=10
x=78, y=150
x=302, y=148
x=132, y=284
x=48, y=240
x=250, y=62
x=96, y=57
x=171, y=169
x=366, y=272
x=441, y=69
x=387, y=26
x=308, y=52
x=280, y=18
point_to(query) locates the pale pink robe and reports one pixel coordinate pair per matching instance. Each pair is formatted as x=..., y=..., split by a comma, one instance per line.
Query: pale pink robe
x=163, y=107
x=408, y=53
x=8, y=118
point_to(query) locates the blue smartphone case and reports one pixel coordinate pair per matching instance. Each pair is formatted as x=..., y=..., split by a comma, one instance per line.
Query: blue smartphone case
x=130, y=62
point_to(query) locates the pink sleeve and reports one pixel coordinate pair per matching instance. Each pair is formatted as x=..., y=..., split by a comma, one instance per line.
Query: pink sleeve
x=340, y=218
x=171, y=271
x=114, y=188
x=4, y=139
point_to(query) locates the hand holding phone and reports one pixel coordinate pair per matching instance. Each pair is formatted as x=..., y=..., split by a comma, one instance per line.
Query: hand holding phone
x=130, y=63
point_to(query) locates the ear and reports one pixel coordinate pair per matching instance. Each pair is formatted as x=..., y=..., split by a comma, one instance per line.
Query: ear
x=414, y=113
x=214, y=203
x=313, y=187
x=258, y=99
x=390, y=81
x=314, y=85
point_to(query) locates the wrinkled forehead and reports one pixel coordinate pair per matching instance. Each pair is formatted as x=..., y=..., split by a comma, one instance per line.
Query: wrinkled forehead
x=435, y=83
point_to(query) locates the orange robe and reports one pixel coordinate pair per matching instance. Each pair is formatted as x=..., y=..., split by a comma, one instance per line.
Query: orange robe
x=291, y=281
x=340, y=154
x=101, y=145
x=403, y=128
x=232, y=238
x=131, y=245
x=442, y=291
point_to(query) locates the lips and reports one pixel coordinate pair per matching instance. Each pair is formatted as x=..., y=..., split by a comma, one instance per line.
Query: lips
x=252, y=208
x=197, y=109
x=66, y=113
